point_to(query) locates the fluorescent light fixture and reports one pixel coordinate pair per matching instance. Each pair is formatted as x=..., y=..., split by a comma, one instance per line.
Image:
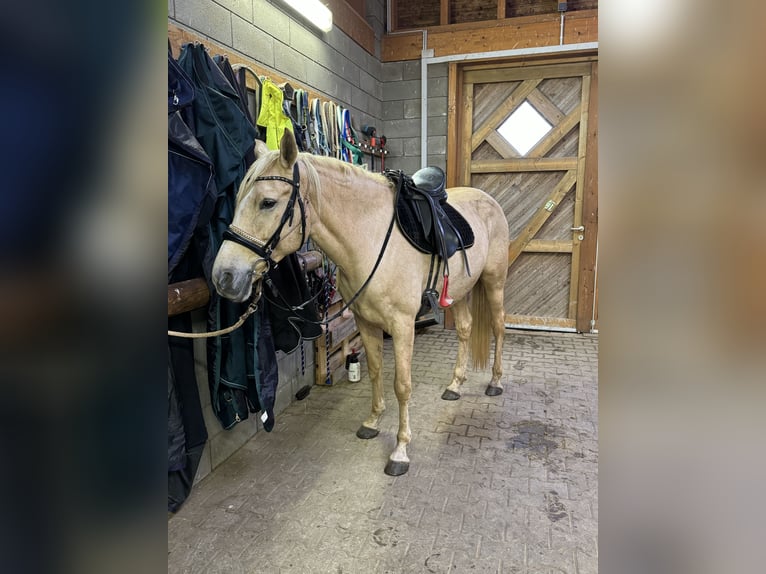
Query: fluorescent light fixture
x=314, y=12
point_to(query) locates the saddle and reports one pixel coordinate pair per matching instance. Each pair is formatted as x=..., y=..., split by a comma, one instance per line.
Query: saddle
x=431, y=224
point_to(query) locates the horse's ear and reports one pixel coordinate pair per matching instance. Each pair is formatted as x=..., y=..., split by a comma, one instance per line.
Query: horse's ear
x=260, y=149
x=288, y=149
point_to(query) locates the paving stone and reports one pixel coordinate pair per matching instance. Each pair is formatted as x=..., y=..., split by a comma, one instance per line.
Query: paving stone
x=496, y=484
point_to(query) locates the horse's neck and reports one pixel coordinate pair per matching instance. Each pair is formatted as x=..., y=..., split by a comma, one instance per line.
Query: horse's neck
x=351, y=219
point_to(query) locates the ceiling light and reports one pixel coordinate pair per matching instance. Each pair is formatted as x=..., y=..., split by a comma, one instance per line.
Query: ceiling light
x=314, y=12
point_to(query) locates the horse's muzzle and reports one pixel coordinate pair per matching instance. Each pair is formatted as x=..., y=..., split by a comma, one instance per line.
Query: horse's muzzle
x=233, y=284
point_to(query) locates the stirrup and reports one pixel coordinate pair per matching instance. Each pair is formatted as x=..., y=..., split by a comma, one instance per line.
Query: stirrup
x=432, y=296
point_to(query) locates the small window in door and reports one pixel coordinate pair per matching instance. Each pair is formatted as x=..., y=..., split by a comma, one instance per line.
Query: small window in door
x=524, y=128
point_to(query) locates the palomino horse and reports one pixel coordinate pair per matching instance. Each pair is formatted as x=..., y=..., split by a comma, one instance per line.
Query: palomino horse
x=348, y=213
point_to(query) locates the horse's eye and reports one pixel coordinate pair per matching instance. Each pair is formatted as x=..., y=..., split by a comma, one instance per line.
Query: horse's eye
x=268, y=203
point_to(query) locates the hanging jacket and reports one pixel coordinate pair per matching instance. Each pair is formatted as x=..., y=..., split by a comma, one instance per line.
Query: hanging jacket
x=272, y=115
x=191, y=186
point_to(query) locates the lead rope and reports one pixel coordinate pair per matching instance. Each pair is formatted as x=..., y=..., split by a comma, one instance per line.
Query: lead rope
x=328, y=379
x=242, y=318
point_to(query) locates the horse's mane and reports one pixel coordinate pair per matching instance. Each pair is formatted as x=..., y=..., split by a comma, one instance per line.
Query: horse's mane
x=348, y=173
x=345, y=171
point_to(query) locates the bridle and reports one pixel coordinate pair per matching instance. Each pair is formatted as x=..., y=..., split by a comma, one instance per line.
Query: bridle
x=264, y=249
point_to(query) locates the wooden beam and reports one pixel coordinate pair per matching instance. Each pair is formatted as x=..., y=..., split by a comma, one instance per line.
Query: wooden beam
x=547, y=108
x=524, y=164
x=530, y=60
x=546, y=144
x=187, y=295
x=541, y=216
x=508, y=34
x=501, y=145
x=587, y=283
x=548, y=246
x=522, y=321
x=444, y=13
x=502, y=111
x=454, y=90
x=482, y=75
x=582, y=150
x=500, y=9
x=466, y=130
x=192, y=294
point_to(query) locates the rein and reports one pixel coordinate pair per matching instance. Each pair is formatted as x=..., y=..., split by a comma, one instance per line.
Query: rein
x=356, y=295
x=251, y=308
x=265, y=250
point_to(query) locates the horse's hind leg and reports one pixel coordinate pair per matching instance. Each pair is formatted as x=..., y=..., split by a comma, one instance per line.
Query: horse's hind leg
x=462, y=315
x=372, y=339
x=495, y=291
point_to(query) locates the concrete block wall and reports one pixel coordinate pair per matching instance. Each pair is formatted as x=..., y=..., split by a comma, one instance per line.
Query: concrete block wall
x=401, y=111
x=331, y=64
x=221, y=444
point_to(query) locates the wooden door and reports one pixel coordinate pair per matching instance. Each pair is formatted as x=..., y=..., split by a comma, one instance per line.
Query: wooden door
x=547, y=191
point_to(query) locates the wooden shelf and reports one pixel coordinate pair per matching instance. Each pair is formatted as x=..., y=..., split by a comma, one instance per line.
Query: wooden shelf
x=344, y=336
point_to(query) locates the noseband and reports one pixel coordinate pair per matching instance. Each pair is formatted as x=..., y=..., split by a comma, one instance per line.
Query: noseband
x=265, y=249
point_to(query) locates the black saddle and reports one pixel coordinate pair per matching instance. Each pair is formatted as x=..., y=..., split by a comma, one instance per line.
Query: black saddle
x=432, y=226
x=425, y=218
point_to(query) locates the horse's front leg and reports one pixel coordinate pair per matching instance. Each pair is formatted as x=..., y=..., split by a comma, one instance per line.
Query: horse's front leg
x=372, y=339
x=399, y=462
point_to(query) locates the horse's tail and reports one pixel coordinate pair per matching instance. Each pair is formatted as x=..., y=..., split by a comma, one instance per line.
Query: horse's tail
x=482, y=323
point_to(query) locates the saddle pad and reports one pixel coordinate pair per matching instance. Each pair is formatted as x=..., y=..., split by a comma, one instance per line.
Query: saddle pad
x=409, y=225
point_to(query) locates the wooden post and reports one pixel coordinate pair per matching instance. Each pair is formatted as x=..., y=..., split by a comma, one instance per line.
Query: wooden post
x=587, y=286
x=192, y=294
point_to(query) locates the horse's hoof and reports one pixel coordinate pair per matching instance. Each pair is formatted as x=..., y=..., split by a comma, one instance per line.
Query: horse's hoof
x=449, y=395
x=366, y=432
x=493, y=391
x=396, y=468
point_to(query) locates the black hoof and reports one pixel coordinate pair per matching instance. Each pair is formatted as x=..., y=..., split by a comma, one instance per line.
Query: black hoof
x=493, y=391
x=366, y=432
x=396, y=468
x=448, y=395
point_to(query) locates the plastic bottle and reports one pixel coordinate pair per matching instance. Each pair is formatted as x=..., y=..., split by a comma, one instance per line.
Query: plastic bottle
x=354, y=369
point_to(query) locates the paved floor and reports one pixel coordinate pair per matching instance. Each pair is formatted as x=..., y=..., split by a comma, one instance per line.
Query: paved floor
x=503, y=484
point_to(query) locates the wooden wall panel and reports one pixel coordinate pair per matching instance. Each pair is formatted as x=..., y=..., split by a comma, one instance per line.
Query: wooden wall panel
x=558, y=226
x=540, y=285
x=353, y=23
x=417, y=14
x=512, y=33
x=564, y=91
x=472, y=10
x=514, y=8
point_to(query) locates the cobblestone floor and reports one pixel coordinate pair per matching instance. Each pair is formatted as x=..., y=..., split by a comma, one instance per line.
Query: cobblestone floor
x=503, y=484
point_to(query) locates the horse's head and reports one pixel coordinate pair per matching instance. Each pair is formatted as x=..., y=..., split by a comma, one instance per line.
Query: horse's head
x=268, y=221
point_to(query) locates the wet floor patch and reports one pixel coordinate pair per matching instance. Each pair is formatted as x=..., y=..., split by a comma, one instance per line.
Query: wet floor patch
x=535, y=437
x=554, y=508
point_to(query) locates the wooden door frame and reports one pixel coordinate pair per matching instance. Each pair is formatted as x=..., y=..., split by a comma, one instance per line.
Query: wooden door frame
x=458, y=110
